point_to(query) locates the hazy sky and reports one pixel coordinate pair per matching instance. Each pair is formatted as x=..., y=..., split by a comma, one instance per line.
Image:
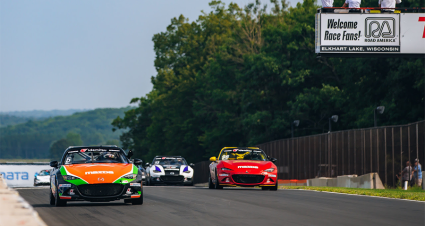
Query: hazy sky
x=82, y=54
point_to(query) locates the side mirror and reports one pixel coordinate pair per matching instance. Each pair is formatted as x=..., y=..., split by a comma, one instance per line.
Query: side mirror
x=138, y=162
x=273, y=159
x=54, y=164
x=129, y=154
x=147, y=164
x=213, y=159
x=191, y=165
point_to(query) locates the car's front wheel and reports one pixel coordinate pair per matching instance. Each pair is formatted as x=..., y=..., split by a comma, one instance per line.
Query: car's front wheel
x=138, y=201
x=58, y=201
x=217, y=183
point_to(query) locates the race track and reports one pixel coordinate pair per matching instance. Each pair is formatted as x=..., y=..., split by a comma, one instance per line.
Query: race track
x=236, y=206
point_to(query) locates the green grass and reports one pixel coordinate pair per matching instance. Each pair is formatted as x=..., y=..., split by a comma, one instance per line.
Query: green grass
x=24, y=160
x=415, y=193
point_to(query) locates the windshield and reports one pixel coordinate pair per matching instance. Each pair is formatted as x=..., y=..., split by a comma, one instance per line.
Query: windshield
x=243, y=154
x=44, y=173
x=94, y=156
x=169, y=161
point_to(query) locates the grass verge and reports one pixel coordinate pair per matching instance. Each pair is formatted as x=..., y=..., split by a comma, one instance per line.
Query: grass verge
x=415, y=193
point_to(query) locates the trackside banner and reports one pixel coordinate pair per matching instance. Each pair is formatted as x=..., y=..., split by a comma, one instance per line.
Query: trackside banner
x=20, y=175
x=388, y=33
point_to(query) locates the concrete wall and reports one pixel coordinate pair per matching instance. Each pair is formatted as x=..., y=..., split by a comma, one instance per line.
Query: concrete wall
x=370, y=180
x=14, y=210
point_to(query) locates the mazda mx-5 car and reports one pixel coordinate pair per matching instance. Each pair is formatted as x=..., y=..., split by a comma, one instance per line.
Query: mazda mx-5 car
x=240, y=166
x=169, y=170
x=42, y=177
x=96, y=174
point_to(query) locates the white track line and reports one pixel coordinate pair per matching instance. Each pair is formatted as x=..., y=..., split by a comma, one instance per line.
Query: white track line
x=354, y=195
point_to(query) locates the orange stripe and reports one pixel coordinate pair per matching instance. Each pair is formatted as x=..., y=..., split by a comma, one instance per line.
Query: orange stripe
x=135, y=196
x=65, y=197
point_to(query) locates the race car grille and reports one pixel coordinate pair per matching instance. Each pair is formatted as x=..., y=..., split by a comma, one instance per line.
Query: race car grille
x=248, y=179
x=176, y=173
x=172, y=179
x=100, y=189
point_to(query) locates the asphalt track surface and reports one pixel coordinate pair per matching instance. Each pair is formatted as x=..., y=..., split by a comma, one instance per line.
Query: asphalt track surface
x=236, y=206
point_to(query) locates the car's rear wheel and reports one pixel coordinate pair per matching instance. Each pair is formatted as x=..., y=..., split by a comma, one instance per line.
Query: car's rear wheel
x=217, y=183
x=138, y=201
x=52, y=198
x=58, y=201
x=210, y=183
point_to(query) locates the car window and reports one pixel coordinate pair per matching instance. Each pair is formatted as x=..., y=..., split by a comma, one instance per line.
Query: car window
x=243, y=154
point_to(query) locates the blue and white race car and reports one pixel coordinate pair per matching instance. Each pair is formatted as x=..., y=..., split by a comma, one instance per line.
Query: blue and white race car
x=42, y=177
x=169, y=170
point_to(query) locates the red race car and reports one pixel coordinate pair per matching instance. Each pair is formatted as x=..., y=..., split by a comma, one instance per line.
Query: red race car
x=248, y=167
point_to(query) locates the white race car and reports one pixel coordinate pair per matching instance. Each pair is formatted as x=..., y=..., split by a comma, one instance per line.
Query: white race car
x=42, y=177
x=169, y=170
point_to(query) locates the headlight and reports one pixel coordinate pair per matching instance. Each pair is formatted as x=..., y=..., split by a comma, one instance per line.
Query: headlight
x=269, y=170
x=130, y=176
x=157, y=169
x=67, y=177
x=186, y=170
x=225, y=169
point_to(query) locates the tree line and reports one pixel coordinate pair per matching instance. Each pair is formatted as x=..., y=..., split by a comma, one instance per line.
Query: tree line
x=239, y=76
x=48, y=138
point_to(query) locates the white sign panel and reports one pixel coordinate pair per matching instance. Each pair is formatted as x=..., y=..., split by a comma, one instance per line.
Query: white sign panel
x=360, y=33
x=21, y=175
x=413, y=33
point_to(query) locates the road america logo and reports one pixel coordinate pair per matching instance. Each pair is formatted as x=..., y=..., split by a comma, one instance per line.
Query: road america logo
x=247, y=167
x=99, y=172
x=380, y=29
x=422, y=19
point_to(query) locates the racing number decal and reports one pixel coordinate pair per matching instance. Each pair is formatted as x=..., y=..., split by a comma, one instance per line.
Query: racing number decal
x=422, y=19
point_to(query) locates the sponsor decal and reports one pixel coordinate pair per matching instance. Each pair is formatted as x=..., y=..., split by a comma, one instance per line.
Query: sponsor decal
x=125, y=181
x=99, y=172
x=71, y=192
x=15, y=175
x=100, y=179
x=224, y=175
x=83, y=150
x=102, y=150
x=64, y=185
x=135, y=184
x=271, y=175
x=128, y=192
x=73, y=151
x=163, y=158
x=422, y=19
x=235, y=150
x=249, y=167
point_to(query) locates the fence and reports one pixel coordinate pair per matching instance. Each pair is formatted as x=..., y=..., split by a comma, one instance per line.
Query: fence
x=384, y=150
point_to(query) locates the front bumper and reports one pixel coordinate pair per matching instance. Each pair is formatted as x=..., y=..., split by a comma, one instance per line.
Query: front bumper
x=99, y=192
x=247, y=180
x=168, y=179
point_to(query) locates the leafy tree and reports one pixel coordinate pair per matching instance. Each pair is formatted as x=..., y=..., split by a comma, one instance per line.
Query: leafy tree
x=238, y=76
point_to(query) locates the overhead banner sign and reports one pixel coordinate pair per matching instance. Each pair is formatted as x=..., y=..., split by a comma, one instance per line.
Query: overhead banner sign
x=369, y=33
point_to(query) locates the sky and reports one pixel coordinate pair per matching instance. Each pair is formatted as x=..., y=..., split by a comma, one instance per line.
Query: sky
x=83, y=54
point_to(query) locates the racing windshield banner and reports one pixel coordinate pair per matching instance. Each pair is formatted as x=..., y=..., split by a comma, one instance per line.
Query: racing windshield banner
x=382, y=33
x=360, y=33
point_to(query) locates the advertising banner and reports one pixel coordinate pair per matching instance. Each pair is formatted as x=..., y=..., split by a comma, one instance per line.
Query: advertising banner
x=21, y=175
x=413, y=33
x=360, y=33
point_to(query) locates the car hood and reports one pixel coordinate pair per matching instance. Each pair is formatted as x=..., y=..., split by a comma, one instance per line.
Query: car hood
x=247, y=165
x=97, y=173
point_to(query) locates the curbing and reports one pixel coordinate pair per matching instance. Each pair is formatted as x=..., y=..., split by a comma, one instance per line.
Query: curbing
x=14, y=210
